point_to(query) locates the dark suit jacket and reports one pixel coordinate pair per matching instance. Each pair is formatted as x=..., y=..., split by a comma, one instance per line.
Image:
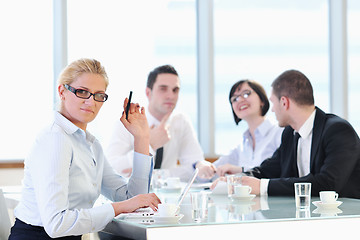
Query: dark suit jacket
x=334, y=160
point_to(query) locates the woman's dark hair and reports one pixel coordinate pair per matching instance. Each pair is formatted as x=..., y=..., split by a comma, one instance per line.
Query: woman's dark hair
x=259, y=91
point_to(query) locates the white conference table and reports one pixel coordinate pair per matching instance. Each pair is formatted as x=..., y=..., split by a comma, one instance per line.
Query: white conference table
x=260, y=218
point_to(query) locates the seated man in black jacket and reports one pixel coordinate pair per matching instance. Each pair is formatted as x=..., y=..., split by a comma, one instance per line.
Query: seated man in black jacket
x=326, y=154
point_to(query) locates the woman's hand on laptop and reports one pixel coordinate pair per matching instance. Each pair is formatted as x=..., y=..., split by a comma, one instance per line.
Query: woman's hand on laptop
x=139, y=201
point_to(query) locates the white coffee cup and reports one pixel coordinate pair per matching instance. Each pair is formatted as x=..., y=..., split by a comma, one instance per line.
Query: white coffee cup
x=173, y=182
x=242, y=191
x=167, y=209
x=328, y=196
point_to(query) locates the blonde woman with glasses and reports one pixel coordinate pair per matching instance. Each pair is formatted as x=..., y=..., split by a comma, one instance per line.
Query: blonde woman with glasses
x=66, y=169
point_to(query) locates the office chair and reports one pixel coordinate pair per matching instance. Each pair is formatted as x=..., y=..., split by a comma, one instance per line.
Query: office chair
x=4, y=217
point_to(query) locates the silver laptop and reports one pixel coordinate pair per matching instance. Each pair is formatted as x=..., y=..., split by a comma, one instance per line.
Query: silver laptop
x=187, y=187
x=148, y=212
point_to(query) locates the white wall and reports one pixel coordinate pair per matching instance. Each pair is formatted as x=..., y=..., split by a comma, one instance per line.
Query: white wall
x=11, y=176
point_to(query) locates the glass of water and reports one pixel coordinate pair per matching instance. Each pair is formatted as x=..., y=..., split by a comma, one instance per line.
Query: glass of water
x=302, y=195
x=199, y=202
x=232, y=181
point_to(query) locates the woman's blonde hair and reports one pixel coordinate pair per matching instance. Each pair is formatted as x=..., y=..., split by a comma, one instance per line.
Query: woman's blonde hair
x=78, y=67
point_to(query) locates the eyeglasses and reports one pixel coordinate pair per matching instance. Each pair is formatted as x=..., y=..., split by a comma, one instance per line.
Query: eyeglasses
x=245, y=94
x=81, y=93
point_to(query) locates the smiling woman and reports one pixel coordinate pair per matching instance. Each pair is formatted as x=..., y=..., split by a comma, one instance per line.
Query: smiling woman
x=248, y=102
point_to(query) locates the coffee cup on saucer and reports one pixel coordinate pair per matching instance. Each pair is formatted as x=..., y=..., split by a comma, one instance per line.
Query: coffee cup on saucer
x=242, y=191
x=328, y=196
x=167, y=209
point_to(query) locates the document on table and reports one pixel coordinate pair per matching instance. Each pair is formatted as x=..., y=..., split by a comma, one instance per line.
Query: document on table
x=221, y=188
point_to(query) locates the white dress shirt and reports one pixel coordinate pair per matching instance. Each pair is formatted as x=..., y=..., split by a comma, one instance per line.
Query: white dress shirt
x=65, y=173
x=183, y=146
x=304, y=146
x=267, y=139
x=303, y=151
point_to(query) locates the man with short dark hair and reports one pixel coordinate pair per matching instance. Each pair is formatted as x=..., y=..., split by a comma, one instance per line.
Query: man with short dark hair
x=172, y=138
x=325, y=152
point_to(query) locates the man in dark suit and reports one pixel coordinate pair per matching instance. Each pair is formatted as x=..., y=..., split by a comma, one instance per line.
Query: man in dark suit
x=327, y=153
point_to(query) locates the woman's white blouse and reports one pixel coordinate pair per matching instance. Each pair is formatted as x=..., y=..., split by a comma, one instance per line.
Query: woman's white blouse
x=267, y=138
x=65, y=173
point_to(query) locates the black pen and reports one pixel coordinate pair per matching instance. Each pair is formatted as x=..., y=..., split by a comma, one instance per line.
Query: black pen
x=128, y=105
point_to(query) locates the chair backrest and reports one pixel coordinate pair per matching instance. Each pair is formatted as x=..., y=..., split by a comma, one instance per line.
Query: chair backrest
x=4, y=218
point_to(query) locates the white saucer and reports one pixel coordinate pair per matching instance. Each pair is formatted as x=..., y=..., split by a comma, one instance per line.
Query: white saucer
x=322, y=205
x=327, y=212
x=243, y=198
x=173, y=219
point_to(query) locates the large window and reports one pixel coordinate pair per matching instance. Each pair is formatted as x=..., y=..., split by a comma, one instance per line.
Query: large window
x=259, y=40
x=131, y=38
x=255, y=39
x=354, y=62
x=26, y=74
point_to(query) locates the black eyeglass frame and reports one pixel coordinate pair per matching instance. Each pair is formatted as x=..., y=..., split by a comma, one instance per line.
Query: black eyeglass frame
x=245, y=94
x=75, y=91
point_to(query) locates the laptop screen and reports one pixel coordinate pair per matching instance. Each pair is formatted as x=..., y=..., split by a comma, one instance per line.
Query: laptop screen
x=187, y=187
x=147, y=211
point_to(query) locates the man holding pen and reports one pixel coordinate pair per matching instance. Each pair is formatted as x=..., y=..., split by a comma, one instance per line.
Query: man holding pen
x=172, y=138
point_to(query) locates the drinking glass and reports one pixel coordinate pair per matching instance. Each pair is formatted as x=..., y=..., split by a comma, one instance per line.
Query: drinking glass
x=232, y=181
x=199, y=203
x=302, y=195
